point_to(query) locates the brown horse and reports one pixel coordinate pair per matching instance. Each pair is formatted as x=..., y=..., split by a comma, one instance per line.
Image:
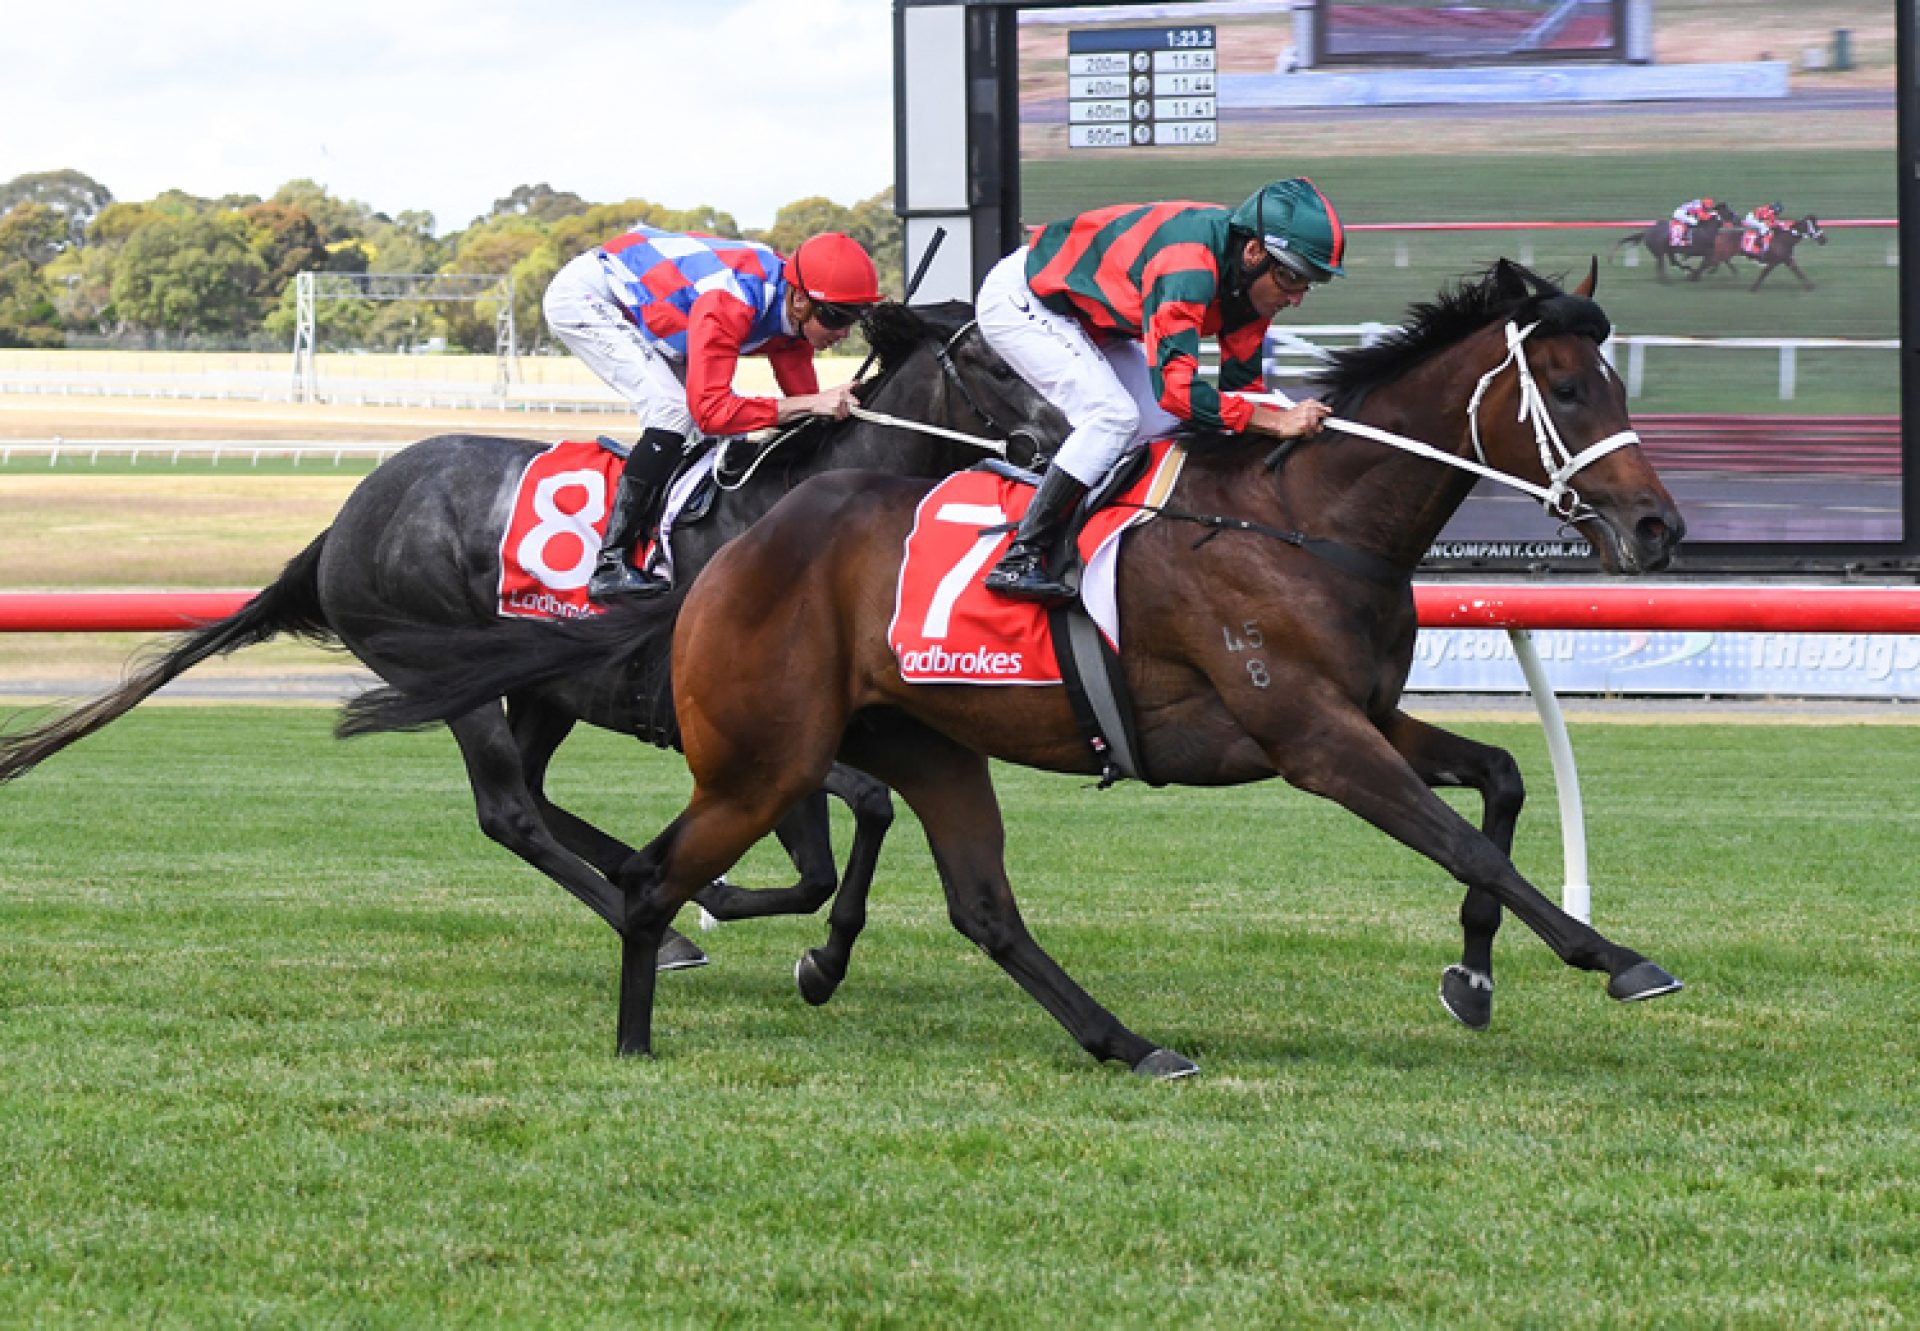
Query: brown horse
x=1657, y=240
x=1262, y=652
x=1778, y=254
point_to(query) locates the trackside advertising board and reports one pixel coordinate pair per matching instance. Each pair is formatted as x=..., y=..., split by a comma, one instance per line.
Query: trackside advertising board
x=1814, y=665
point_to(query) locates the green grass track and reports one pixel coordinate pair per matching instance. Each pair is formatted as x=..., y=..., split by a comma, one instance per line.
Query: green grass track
x=284, y=1041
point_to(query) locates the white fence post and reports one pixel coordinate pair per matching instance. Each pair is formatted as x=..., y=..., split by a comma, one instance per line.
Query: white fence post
x=1576, y=894
x=1788, y=362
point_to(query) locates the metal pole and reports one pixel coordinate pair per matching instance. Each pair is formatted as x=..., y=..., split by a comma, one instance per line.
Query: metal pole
x=913, y=285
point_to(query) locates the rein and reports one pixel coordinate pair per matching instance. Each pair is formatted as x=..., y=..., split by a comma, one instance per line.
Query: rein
x=1350, y=558
x=1558, y=498
x=948, y=370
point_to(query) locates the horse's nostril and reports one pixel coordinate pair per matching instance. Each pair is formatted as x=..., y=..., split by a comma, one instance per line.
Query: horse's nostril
x=1655, y=534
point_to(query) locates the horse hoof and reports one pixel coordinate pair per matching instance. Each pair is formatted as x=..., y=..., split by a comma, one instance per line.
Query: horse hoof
x=816, y=986
x=1641, y=981
x=1467, y=996
x=1165, y=1065
x=679, y=953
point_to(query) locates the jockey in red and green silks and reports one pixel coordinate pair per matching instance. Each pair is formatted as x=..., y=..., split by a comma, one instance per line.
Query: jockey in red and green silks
x=1103, y=313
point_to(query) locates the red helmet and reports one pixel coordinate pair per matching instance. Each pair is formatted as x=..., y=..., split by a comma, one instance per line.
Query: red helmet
x=837, y=269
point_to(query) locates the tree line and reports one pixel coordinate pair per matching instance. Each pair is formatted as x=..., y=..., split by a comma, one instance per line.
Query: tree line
x=80, y=268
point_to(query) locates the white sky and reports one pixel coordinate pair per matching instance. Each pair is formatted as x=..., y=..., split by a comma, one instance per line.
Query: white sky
x=445, y=106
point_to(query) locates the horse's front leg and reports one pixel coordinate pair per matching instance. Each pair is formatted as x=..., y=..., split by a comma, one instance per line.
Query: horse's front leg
x=1350, y=762
x=1805, y=281
x=1442, y=758
x=1765, y=270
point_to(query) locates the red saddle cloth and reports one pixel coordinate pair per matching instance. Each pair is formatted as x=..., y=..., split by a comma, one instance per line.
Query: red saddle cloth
x=559, y=512
x=948, y=629
x=1755, y=244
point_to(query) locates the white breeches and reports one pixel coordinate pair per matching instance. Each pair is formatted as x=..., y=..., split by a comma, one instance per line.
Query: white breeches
x=593, y=327
x=1104, y=391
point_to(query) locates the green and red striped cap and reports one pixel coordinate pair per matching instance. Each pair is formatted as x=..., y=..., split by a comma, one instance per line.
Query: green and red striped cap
x=1298, y=227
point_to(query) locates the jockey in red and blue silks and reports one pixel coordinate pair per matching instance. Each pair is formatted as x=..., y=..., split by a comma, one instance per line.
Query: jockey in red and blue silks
x=664, y=318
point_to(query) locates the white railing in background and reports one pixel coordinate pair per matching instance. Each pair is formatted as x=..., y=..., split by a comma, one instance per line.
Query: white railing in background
x=1292, y=353
x=250, y=386
x=57, y=450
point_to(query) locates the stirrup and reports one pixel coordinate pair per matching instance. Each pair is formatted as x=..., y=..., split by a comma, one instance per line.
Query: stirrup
x=1022, y=575
x=616, y=577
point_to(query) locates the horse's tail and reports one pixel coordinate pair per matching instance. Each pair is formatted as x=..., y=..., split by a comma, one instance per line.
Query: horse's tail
x=461, y=669
x=290, y=605
x=1637, y=238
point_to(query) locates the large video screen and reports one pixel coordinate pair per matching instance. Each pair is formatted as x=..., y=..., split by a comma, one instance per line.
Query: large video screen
x=1768, y=393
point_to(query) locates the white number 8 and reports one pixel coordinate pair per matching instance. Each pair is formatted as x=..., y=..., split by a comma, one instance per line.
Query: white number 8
x=554, y=521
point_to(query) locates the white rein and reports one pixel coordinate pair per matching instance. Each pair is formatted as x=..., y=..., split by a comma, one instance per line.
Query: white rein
x=1559, y=462
x=772, y=438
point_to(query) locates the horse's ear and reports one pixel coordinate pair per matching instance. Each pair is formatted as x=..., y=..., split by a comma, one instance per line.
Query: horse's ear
x=1593, y=278
x=1510, y=281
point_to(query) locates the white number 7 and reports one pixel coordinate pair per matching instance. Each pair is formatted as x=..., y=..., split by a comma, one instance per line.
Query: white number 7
x=940, y=609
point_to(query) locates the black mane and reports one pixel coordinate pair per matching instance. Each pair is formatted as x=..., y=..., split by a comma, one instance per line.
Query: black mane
x=1503, y=291
x=894, y=330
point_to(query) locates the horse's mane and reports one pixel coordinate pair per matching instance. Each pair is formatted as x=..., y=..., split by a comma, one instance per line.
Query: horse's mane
x=1504, y=290
x=894, y=330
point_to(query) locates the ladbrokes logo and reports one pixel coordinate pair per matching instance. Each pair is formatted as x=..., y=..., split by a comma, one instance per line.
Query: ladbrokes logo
x=938, y=660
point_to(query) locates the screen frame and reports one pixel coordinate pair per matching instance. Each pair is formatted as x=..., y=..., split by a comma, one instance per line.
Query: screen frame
x=994, y=157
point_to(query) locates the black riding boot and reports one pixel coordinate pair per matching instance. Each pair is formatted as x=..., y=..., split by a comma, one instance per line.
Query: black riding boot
x=635, y=510
x=1022, y=572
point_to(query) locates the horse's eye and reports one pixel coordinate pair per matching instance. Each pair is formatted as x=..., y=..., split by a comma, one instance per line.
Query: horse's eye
x=1567, y=391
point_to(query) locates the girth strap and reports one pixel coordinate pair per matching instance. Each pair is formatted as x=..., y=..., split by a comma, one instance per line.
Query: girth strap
x=1097, y=691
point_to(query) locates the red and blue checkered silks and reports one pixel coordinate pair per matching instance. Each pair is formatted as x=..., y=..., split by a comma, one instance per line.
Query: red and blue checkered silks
x=658, y=275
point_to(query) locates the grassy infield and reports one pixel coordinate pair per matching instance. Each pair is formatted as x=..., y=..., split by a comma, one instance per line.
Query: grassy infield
x=285, y=1041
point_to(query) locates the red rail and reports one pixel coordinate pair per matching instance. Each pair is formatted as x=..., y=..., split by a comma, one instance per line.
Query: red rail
x=1743, y=608
x=1840, y=222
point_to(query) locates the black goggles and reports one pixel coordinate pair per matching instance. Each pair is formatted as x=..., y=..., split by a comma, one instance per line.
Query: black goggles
x=837, y=318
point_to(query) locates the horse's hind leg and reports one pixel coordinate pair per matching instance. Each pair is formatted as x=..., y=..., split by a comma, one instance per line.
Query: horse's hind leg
x=820, y=970
x=806, y=835
x=511, y=815
x=707, y=839
x=806, y=832
x=950, y=790
x=538, y=730
x=1442, y=758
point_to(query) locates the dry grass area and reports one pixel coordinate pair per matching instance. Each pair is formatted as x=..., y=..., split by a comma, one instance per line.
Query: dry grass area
x=69, y=531
x=38, y=417
x=74, y=530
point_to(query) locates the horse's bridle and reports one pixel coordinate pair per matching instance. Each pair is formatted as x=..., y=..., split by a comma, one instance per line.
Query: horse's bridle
x=951, y=373
x=1560, y=499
